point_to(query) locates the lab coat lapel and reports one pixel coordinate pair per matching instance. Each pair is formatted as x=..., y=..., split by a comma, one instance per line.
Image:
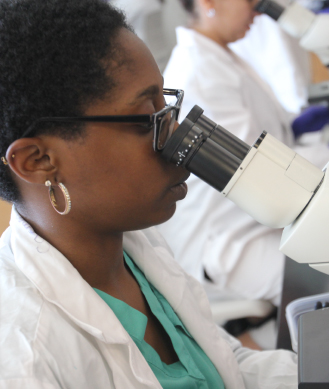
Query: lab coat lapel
x=60, y=283
x=189, y=301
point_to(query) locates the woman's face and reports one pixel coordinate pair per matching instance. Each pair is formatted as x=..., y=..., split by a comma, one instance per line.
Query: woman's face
x=233, y=18
x=116, y=180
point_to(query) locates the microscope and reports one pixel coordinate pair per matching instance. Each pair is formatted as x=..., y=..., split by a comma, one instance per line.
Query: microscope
x=310, y=29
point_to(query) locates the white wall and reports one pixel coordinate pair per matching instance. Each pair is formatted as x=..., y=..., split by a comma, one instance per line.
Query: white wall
x=155, y=23
x=173, y=16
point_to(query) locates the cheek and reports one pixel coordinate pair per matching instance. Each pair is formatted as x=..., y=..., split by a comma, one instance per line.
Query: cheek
x=128, y=189
x=242, y=23
x=132, y=172
x=147, y=173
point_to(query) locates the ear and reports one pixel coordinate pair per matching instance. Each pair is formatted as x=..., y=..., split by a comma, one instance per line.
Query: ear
x=31, y=160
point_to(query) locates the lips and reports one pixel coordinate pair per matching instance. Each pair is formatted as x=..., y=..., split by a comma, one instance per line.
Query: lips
x=180, y=189
x=183, y=179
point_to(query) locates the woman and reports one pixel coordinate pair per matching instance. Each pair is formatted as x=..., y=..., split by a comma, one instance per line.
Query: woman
x=88, y=300
x=231, y=254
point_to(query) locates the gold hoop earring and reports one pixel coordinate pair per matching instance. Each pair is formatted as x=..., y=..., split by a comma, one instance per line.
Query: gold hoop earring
x=53, y=199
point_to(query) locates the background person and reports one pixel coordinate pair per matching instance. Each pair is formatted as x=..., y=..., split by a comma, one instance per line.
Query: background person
x=276, y=57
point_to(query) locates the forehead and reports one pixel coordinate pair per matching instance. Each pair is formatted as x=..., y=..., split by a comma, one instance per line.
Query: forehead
x=138, y=69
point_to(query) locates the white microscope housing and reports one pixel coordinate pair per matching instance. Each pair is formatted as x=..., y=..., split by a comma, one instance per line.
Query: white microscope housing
x=268, y=180
x=279, y=188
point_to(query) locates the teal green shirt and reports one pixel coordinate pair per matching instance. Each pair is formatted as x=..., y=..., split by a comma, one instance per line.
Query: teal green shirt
x=194, y=370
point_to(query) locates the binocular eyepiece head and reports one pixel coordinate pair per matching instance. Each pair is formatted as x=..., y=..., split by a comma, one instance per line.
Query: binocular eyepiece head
x=205, y=149
x=270, y=8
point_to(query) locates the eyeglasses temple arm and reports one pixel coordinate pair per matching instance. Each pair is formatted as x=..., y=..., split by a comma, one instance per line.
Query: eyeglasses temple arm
x=94, y=119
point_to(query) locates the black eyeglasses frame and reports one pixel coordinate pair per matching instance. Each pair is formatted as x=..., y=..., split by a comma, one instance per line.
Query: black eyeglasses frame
x=154, y=119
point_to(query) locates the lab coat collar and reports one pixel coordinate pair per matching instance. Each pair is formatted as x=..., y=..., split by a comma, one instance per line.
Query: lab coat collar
x=61, y=284
x=188, y=37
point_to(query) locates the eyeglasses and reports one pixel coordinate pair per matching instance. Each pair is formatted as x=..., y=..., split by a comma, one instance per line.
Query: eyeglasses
x=163, y=122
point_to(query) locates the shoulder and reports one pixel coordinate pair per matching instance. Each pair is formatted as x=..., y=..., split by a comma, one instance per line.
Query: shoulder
x=39, y=339
x=27, y=322
x=21, y=305
x=198, y=60
x=17, y=291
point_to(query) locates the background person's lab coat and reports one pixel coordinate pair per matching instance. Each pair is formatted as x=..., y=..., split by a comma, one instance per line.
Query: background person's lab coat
x=56, y=332
x=279, y=60
x=208, y=231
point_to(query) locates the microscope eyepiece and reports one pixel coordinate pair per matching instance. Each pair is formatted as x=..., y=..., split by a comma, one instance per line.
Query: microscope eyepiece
x=270, y=8
x=206, y=149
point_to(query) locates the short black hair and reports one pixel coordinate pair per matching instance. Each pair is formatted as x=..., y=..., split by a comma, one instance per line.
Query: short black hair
x=188, y=5
x=54, y=57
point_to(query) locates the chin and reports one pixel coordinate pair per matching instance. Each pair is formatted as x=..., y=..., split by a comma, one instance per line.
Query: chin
x=167, y=215
x=158, y=218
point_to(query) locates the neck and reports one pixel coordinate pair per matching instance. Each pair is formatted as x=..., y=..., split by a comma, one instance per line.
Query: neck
x=97, y=256
x=204, y=27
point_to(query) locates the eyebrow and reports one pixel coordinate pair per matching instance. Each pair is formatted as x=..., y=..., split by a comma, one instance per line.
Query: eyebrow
x=150, y=92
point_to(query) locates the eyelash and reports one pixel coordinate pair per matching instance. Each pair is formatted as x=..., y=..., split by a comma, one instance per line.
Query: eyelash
x=146, y=126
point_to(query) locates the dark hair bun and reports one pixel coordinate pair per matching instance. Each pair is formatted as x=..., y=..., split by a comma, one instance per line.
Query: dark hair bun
x=188, y=5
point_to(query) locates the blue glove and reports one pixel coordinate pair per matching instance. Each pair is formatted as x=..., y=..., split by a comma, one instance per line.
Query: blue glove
x=312, y=119
x=323, y=11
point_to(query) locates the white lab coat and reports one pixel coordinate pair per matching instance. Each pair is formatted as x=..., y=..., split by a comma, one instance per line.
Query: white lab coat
x=278, y=59
x=208, y=231
x=56, y=332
